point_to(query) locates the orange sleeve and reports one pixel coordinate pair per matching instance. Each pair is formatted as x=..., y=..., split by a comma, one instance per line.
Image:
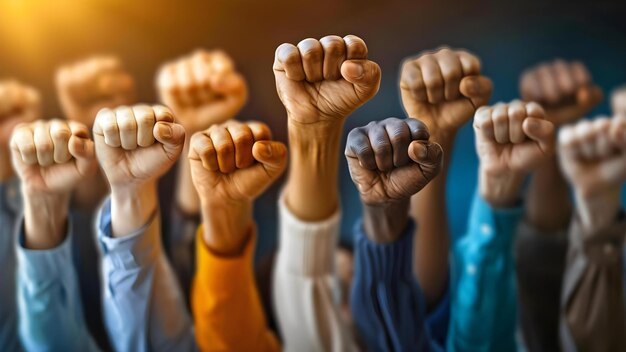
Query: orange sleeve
x=226, y=306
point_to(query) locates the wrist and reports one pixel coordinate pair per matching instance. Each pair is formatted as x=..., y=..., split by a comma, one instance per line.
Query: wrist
x=132, y=206
x=45, y=219
x=227, y=225
x=501, y=189
x=385, y=223
x=598, y=211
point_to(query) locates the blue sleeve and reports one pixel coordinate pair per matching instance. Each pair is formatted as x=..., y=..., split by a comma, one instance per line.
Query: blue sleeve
x=484, y=299
x=144, y=308
x=387, y=304
x=49, y=304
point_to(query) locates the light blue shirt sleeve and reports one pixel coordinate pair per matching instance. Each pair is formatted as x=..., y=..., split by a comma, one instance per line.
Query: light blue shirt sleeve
x=50, y=311
x=484, y=297
x=144, y=308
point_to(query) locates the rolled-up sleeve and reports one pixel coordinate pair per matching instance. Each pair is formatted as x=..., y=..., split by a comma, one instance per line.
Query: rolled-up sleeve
x=50, y=311
x=144, y=307
x=484, y=299
x=593, y=309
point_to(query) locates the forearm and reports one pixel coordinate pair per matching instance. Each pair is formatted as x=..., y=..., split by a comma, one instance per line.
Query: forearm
x=548, y=206
x=311, y=192
x=132, y=207
x=432, y=239
x=385, y=223
x=226, y=225
x=186, y=194
x=45, y=219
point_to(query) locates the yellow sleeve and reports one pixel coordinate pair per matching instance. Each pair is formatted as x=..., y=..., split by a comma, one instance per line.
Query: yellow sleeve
x=225, y=302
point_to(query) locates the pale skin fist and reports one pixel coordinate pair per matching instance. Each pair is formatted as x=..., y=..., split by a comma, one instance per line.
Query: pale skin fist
x=323, y=81
x=391, y=160
x=53, y=156
x=86, y=87
x=18, y=104
x=618, y=101
x=443, y=88
x=137, y=144
x=235, y=161
x=202, y=89
x=564, y=89
x=592, y=155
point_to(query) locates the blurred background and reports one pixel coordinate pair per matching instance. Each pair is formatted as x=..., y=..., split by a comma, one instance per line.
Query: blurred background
x=36, y=36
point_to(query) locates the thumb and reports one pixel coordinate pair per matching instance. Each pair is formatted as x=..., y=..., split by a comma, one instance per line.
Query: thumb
x=589, y=96
x=272, y=155
x=364, y=74
x=477, y=89
x=540, y=131
x=83, y=150
x=172, y=136
x=428, y=155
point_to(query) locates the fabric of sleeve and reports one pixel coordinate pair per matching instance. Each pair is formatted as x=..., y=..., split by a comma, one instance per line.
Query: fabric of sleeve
x=305, y=287
x=144, y=309
x=484, y=295
x=50, y=310
x=540, y=263
x=387, y=303
x=593, y=309
x=225, y=301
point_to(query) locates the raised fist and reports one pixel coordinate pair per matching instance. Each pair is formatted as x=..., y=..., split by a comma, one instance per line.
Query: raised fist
x=392, y=159
x=564, y=89
x=618, y=101
x=443, y=89
x=88, y=86
x=202, y=89
x=235, y=162
x=18, y=103
x=137, y=144
x=593, y=155
x=323, y=81
x=53, y=156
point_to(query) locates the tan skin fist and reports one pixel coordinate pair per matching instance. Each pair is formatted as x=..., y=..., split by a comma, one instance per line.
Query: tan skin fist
x=618, y=101
x=202, y=89
x=18, y=104
x=51, y=157
x=137, y=144
x=564, y=89
x=323, y=81
x=88, y=86
x=443, y=89
x=235, y=162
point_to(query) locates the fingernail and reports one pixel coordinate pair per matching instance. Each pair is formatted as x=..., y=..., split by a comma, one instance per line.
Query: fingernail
x=356, y=70
x=533, y=125
x=422, y=151
x=268, y=150
x=166, y=131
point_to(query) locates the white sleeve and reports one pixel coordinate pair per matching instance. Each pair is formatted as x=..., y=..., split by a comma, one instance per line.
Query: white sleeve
x=305, y=287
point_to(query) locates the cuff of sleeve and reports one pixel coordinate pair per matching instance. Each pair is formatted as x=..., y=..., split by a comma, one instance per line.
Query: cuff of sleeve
x=491, y=226
x=387, y=262
x=603, y=246
x=307, y=248
x=223, y=273
x=44, y=265
x=132, y=251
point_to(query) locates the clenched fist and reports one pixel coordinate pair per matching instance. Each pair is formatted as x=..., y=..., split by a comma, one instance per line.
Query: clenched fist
x=618, y=101
x=202, y=89
x=511, y=140
x=564, y=89
x=52, y=156
x=323, y=81
x=231, y=165
x=86, y=87
x=392, y=159
x=136, y=145
x=443, y=88
x=18, y=103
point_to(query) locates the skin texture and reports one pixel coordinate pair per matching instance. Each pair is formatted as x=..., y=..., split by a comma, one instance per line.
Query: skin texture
x=511, y=140
x=618, y=101
x=443, y=88
x=83, y=88
x=566, y=91
x=390, y=161
x=202, y=89
x=135, y=146
x=593, y=160
x=18, y=104
x=50, y=158
x=231, y=165
x=320, y=83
